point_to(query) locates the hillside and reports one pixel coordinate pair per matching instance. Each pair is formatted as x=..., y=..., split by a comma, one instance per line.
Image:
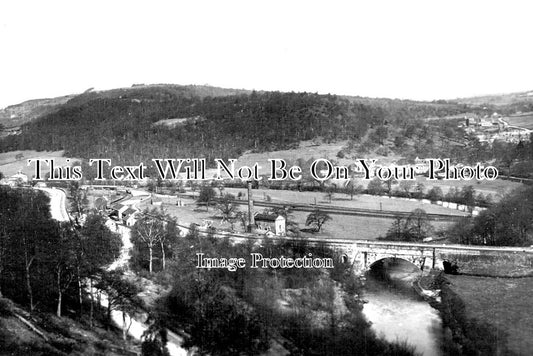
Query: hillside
x=16, y=115
x=119, y=124
x=142, y=122
x=45, y=334
x=524, y=99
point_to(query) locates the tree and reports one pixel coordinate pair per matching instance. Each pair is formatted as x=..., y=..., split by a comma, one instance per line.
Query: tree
x=207, y=194
x=388, y=184
x=154, y=341
x=317, y=219
x=406, y=186
x=227, y=207
x=468, y=196
x=97, y=247
x=375, y=186
x=242, y=216
x=148, y=231
x=77, y=197
x=353, y=189
x=415, y=227
x=100, y=245
x=397, y=231
x=418, y=224
x=168, y=238
x=434, y=194
x=419, y=190
x=65, y=261
x=380, y=134
x=506, y=223
x=121, y=294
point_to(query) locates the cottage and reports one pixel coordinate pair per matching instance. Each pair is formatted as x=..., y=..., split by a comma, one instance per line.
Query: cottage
x=129, y=216
x=118, y=211
x=271, y=223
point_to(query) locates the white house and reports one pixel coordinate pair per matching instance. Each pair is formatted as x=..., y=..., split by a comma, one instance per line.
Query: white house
x=271, y=222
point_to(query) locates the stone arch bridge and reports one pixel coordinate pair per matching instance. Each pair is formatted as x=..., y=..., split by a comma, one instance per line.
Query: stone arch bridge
x=362, y=254
x=469, y=259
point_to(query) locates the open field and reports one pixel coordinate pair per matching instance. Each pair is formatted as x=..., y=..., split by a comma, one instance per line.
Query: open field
x=307, y=150
x=525, y=121
x=496, y=187
x=9, y=164
x=362, y=201
x=502, y=302
x=341, y=226
x=356, y=227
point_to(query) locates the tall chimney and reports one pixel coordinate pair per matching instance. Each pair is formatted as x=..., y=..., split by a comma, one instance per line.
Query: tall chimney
x=251, y=221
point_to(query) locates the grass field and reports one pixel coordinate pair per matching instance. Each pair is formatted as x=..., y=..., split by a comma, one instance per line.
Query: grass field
x=525, y=121
x=341, y=226
x=9, y=164
x=502, y=302
x=497, y=188
x=307, y=150
x=362, y=201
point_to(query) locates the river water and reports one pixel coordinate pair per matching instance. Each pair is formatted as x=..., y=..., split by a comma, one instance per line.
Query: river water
x=397, y=312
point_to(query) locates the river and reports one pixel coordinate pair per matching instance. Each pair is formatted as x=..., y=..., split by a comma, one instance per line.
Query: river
x=397, y=312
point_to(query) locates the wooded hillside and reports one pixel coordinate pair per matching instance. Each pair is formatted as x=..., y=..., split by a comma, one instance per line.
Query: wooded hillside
x=119, y=124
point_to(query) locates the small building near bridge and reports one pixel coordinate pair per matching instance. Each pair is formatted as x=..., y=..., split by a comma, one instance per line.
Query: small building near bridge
x=273, y=223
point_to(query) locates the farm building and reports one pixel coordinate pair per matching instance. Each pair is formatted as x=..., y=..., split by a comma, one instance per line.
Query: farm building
x=129, y=216
x=271, y=223
x=15, y=180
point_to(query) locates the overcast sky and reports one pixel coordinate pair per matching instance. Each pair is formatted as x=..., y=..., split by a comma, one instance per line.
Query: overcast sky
x=399, y=49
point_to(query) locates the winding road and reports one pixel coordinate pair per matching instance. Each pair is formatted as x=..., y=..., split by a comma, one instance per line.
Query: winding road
x=137, y=328
x=58, y=208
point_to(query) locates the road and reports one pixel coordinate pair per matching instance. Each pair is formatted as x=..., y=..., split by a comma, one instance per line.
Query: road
x=58, y=208
x=137, y=328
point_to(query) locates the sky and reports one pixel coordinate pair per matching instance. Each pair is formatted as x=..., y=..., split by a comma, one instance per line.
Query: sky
x=422, y=50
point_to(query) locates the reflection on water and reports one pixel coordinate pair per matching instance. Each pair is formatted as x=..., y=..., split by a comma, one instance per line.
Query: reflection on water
x=397, y=312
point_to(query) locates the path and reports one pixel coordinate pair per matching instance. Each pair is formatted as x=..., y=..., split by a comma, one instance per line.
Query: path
x=58, y=199
x=137, y=327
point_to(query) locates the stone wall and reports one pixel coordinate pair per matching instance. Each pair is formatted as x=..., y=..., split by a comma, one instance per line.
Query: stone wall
x=492, y=264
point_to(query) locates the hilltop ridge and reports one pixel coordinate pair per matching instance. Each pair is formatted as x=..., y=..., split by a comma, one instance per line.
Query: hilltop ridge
x=21, y=113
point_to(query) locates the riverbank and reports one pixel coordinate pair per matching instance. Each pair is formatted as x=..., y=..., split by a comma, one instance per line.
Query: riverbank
x=504, y=304
x=485, y=315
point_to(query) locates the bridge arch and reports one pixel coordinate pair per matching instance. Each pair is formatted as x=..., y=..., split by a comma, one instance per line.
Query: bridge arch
x=386, y=259
x=369, y=259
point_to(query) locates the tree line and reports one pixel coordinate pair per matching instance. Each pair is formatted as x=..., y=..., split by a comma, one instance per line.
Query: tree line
x=240, y=312
x=506, y=223
x=122, y=127
x=49, y=266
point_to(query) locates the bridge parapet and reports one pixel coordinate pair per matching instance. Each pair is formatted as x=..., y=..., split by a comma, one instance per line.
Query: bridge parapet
x=480, y=260
x=361, y=254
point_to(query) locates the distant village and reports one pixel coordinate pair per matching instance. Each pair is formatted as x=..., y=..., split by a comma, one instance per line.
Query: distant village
x=494, y=127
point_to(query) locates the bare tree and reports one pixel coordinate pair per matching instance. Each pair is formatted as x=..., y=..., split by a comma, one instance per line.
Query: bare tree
x=418, y=224
x=150, y=230
x=317, y=219
x=227, y=207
